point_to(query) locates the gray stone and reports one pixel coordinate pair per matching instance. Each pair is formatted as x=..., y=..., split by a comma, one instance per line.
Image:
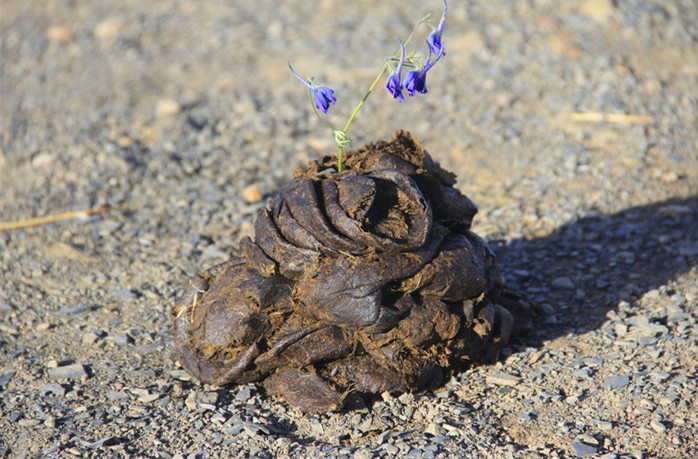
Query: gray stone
x=100, y=333
x=144, y=349
x=74, y=371
x=616, y=381
x=122, y=293
x=106, y=441
x=688, y=249
x=235, y=429
x=657, y=426
x=580, y=449
x=432, y=429
x=201, y=400
x=120, y=340
x=9, y=330
x=593, y=361
x=604, y=425
x=503, y=379
x=601, y=283
x=53, y=388
x=243, y=394
x=49, y=422
x=29, y=422
x=581, y=373
x=115, y=395
x=5, y=378
x=89, y=338
x=218, y=417
x=563, y=283
x=149, y=398
x=74, y=311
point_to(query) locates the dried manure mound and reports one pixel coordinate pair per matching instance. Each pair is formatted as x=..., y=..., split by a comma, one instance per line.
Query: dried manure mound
x=361, y=282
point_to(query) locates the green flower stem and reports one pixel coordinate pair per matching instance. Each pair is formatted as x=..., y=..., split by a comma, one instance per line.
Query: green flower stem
x=356, y=111
x=368, y=93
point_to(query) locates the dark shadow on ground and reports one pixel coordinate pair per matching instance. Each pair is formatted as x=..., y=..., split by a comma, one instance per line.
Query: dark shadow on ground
x=586, y=267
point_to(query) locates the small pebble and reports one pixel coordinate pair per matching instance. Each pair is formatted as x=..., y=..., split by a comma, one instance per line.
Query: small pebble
x=59, y=34
x=243, y=394
x=503, y=379
x=593, y=361
x=604, y=425
x=582, y=449
x=50, y=422
x=29, y=422
x=124, y=142
x=657, y=426
x=5, y=378
x=74, y=371
x=433, y=429
x=89, y=338
x=563, y=283
x=581, y=373
x=53, y=388
x=108, y=28
x=589, y=440
x=149, y=398
x=616, y=381
x=9, y=330
x=167, y=107
x=122, y=293
x=73, y=311
x=115, y=395
x=120, y=340
x=252, y=194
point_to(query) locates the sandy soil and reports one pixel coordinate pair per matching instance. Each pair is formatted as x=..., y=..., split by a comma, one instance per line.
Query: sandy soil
x=572, y=126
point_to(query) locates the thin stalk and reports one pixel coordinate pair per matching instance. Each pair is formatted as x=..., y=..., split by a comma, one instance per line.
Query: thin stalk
x=368, y=93
x=340, y=152
x=18, y=224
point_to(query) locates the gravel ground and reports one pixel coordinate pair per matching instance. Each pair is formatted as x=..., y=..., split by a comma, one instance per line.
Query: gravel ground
x=184, y=113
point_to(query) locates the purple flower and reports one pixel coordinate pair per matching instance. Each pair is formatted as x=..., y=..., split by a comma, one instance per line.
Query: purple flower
x=323, y=96
x=434, y=39
x=393, y=85
x=415, y=81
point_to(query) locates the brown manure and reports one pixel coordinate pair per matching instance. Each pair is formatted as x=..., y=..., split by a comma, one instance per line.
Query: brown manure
x=358, y=282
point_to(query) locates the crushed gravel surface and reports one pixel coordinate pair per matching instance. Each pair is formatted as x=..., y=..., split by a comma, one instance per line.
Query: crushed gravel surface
x=184, y=117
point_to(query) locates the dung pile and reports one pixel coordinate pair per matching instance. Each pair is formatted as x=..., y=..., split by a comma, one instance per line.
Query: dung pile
x=358, y=282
